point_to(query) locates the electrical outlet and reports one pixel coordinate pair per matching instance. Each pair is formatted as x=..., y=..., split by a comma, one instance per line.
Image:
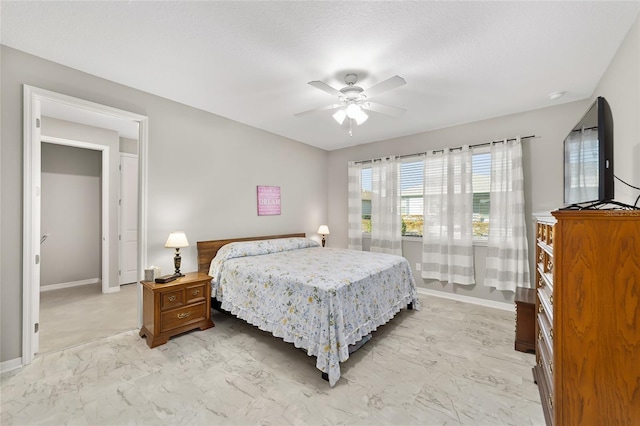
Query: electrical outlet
x=418, y=266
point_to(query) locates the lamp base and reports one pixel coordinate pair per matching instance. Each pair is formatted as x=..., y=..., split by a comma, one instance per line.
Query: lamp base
x=177, y=260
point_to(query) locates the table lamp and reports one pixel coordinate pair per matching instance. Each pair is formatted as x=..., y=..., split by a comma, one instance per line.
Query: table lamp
x=323, y=230
x=177, y=240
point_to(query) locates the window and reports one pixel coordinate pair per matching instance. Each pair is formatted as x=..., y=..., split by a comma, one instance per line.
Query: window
x=411, y=205
x=411, y=188
x=366, y=179
x=481, y=182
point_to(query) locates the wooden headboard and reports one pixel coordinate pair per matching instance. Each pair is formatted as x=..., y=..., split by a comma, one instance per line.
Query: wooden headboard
x=207, y=250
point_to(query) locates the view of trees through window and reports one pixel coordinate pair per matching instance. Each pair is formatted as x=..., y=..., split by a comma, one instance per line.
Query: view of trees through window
x=411, y=188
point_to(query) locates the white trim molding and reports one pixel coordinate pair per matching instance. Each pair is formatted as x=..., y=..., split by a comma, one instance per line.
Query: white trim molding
x=58, y=286
x=10, y=365
x=511, y=307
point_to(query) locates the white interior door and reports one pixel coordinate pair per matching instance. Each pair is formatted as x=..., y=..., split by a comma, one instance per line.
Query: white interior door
x=128, y=218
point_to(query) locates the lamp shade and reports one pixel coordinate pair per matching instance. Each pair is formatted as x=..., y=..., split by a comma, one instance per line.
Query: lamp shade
x=339, y=116
x=177, y=240
x=323, y=230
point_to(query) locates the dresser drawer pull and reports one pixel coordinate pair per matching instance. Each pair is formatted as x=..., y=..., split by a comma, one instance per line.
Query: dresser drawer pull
x=540, y=309
x=551, y=299
x=541, y=256
x=550, y=402
x=539, y=334
x=551, y=333
x=551, y=366
x=549, y=265
x=172, y=298
x=184, y=315
x=196, y=292
x=541, y=282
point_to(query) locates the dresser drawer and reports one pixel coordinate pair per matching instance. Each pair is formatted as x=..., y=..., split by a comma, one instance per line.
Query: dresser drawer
x=183, y=316
x=171, y=299
x=545, y=303
x=546, y=363
x=196, y=293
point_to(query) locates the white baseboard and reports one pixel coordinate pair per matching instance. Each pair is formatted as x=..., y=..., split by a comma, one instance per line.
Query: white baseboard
x=112, y=290
x=468, y=299
x=69, y=284
x=11, y=364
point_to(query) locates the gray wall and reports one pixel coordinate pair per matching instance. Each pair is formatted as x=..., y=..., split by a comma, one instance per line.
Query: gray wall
x=202, y=175
x=79, y=132
x=70, y=207
x=542, y=174
x=129, y=146
x=620, y=85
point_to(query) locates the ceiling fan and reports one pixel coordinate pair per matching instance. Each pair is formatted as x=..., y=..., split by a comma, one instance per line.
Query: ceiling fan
x=354, y=100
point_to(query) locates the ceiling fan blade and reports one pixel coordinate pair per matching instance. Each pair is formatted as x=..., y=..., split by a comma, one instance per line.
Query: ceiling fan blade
x=325, y=88
x=384, y=109
x=324, y=108
x=383, y=86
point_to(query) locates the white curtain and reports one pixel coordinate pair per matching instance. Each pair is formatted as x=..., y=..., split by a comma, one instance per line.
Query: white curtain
x=507, y=257
x=447, y=241
x=386, y=222
x=355, y=206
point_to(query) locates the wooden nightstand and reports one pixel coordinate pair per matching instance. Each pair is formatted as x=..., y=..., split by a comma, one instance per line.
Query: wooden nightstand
x=525, y=299
x=176, y=307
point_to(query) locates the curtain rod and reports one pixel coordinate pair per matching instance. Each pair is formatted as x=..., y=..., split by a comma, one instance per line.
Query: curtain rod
x=442, y=150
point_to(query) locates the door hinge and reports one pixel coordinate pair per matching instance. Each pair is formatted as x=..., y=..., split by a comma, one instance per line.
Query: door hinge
x=36, y=327
x=37, y=123
x=37, y=259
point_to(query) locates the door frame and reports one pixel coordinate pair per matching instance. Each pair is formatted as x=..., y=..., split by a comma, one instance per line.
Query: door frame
x=32, y=100
x=104, y=202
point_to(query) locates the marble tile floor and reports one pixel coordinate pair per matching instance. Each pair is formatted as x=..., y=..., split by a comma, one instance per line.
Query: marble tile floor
x=76, y=315
x=449, y=364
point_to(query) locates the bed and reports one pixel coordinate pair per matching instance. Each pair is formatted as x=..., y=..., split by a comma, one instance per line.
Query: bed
x=323, y=300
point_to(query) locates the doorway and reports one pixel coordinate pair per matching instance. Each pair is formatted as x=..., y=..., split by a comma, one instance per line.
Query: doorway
x=34, y=99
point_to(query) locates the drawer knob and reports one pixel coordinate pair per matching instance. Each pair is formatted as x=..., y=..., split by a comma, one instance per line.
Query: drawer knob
x=550, y=265
x=172, y=298
x=540, y=309
x=184, y=315
x=196, y=292
x=541, y=282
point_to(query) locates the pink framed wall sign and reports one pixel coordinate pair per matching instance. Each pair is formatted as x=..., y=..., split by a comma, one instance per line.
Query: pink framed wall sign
x=268, y=200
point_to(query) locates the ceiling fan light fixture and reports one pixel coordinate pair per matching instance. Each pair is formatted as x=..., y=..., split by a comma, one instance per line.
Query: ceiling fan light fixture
x=339, y=116
x=361, y=117
x=353, y=110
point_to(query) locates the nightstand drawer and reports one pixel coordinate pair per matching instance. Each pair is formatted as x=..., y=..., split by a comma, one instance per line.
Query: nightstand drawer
x=183, y=316
x=196, y=293
x=171, y=299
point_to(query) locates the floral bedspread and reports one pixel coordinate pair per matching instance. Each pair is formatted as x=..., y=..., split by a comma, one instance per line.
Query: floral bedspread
x=319, y=299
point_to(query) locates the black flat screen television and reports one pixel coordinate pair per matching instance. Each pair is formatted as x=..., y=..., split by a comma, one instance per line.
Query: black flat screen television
x=588, y=157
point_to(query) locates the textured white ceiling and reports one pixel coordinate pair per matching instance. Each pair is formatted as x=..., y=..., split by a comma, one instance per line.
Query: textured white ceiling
x=251, y=61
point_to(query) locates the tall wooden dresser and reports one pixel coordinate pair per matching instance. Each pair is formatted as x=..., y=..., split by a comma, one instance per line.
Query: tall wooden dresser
x=588, y=317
